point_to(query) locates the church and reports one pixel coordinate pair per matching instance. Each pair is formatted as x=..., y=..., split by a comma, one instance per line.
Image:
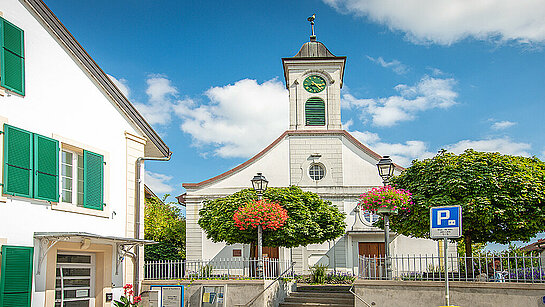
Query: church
x=316, y=155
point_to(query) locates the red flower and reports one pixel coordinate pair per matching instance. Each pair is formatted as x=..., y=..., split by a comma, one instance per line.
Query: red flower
x=267, y=214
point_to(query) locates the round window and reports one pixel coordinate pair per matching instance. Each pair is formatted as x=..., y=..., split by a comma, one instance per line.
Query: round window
x=316, y=172
x=370, y=217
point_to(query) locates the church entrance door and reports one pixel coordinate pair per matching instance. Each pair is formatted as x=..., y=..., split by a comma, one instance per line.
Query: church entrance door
x=374, y=259
x=271, y=255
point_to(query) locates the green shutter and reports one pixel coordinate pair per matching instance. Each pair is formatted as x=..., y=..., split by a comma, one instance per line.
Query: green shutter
x=16, y=276
x=93, y=180
x=18, y=164
x=315, y=112
x=12, y=59
x=46, y=168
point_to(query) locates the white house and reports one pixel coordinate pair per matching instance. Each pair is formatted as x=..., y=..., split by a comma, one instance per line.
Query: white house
x=71, y=204
x=317, y=155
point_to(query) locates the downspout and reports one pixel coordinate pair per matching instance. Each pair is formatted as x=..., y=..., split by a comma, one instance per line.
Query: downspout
x=136, y=263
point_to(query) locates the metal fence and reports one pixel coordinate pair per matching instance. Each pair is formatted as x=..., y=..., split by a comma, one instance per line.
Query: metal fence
x=492, y=268
x=225, y=268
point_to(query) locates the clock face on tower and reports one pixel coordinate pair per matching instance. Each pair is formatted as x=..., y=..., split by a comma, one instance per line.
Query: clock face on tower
x=314, y=84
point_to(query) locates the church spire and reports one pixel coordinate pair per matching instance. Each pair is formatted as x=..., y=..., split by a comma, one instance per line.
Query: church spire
x=312, y=35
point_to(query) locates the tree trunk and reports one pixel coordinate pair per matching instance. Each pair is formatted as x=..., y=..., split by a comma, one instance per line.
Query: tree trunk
x=253, y=256
x=467, y=243
x=470, y=270
x=253, y=250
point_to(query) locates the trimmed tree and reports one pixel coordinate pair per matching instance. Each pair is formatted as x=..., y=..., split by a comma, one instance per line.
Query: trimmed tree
x=502, y=197
x=311, y=219
x=164, y=223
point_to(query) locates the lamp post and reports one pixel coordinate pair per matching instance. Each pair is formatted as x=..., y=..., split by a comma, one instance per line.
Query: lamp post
x=259, y=183
x=386, y=171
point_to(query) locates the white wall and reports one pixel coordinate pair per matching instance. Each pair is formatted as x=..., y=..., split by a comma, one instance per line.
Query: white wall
x=359, y=169
x=61, y=99
x=274, y=165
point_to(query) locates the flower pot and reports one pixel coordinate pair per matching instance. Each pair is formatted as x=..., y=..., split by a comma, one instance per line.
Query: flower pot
x=386, y=211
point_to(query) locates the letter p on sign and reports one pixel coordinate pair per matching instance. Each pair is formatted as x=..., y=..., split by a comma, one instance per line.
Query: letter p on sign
x=442, y=215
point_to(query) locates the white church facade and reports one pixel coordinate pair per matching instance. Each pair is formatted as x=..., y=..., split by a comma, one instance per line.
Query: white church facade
x=316, y=155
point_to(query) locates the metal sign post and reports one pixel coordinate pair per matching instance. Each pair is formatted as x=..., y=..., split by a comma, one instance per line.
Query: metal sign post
x=446, y=223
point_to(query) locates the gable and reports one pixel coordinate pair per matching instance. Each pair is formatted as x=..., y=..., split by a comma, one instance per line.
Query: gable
x=359, y=165
x=273, y=162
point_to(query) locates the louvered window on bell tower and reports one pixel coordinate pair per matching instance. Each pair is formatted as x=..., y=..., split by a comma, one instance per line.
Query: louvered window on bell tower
x=315, y=112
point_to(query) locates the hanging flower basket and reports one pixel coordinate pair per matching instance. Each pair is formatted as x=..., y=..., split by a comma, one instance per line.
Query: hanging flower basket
x=385, y=200
x=387, y=211
x=263, y=212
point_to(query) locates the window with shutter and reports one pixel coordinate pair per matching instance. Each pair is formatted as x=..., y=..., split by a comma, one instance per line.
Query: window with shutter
x=12, y=59
x=18, y=163
x=16, y=276
x=93, y=182
x=315, y=112
x=46, y=168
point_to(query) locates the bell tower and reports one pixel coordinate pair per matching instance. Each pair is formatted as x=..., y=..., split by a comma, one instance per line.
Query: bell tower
x=314, y=78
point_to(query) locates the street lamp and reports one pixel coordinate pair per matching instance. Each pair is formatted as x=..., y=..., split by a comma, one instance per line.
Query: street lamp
x=386, y=171
x=259, y=183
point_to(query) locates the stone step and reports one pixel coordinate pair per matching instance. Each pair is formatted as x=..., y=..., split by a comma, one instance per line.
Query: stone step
x=340, y=295
x=289, y=304
x=319, y=288
x=325, y=299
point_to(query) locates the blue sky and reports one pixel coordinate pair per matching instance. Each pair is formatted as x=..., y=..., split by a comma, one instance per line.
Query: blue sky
x=421, y=75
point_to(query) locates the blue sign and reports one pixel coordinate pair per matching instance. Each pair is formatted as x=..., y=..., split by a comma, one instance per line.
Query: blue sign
x=445, y=222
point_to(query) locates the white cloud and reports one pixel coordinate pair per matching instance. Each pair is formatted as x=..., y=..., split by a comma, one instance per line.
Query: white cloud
x=446, y=21
x=161, y=100
x=395, y=65
x=239, y=120
x=122, y=85
x=401, y=153
x=502, y=125
x=404, y=153
x=158, y=183
x=428, y=93
x=502, y=145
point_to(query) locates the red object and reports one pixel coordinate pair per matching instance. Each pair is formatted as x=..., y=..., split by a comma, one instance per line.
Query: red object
x=263, y=212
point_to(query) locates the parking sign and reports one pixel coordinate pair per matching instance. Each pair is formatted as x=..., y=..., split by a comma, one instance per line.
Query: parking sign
x=446, y=222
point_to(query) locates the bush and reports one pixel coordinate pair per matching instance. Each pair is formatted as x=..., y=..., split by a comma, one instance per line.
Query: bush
x=318, y=273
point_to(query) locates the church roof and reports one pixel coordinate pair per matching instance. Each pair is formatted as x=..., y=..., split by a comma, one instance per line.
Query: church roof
x=314, y=49
x=280, y=138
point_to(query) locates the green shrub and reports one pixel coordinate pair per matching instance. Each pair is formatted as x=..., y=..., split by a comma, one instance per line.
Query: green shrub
x=318, y=273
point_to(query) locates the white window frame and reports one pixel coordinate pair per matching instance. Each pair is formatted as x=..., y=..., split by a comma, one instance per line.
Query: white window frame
x=75, y=178
x=75, y=146
x=373, y=217
x=320, y=165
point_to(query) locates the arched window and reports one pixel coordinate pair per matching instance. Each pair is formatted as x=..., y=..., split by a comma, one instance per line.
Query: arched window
x=315, y=112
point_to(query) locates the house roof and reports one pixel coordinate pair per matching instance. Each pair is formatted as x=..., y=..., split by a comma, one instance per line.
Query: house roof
x=46, y=16
x=352, y=139
x=536, y=246
x=148, y=193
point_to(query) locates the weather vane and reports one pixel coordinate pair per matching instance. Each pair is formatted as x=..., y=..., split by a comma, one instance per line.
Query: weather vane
x=311, y=19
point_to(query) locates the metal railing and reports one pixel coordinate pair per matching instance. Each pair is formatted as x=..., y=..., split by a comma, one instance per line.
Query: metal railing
x=482, y=268
x=287, y=272
x=224, y=268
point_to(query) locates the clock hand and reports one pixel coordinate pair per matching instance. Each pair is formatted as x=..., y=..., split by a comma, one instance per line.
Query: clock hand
x=318, y=86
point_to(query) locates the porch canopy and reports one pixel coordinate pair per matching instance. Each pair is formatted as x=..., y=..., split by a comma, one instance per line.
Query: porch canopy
x=123, y=245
